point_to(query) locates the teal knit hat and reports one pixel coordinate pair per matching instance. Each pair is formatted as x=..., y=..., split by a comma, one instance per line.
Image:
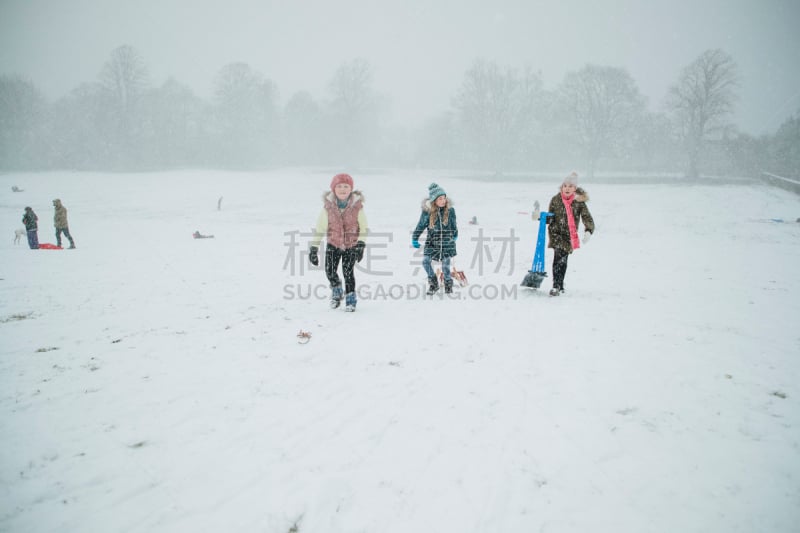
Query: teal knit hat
x=434, y=192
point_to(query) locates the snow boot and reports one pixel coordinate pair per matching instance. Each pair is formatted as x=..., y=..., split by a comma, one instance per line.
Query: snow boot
x=350, y=302
x=448, y=286
x=336, y=297
x=433, y=286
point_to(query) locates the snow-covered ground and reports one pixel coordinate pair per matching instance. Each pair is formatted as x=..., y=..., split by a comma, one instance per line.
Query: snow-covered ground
x=151, y=382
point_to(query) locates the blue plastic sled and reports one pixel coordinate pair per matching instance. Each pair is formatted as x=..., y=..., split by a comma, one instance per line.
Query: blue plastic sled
x=536, y=274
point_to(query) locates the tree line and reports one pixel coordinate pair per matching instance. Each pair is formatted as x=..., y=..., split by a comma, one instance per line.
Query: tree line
x=501, y=119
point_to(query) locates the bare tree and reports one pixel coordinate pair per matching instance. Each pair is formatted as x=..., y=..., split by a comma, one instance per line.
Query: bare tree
x=438, y=142
x=351, y=87
x=496, y=110
x=653, y=147
x=22, y=117
x=303, y=130
x=124, y=80
x=246, y=116
x=355, y=111
x=173, y=125
x=82, y=132
x=701, y=100
x=125, y=77
x=603, y=104
x=786, y=148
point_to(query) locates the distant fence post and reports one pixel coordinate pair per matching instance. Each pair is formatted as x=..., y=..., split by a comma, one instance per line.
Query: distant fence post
x=779, y=181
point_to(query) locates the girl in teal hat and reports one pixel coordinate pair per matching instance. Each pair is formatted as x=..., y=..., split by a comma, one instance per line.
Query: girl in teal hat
x=439, y=219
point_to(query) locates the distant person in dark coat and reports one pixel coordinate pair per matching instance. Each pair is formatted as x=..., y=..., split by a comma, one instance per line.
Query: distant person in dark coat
x=60, y=220
x=31, y=222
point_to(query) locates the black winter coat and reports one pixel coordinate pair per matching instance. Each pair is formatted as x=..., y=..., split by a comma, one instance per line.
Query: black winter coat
x=441, y=240
x=30, y=220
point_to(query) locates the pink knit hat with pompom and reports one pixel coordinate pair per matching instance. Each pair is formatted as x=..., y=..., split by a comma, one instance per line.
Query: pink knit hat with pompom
x=341, y=178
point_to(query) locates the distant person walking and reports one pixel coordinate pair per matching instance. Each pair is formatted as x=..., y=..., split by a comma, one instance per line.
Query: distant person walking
x=62, y=226
x=569, y=209
x=31, y=222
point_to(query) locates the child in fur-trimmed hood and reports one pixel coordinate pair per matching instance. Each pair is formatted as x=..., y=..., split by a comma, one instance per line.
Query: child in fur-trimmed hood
x=569, y=209
x=438, y=218
x=344, y=225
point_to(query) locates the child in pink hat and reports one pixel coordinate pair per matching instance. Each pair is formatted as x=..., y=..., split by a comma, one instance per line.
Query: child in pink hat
x=344, y=225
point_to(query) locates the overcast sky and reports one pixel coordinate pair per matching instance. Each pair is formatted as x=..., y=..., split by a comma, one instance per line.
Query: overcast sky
x=419, y=49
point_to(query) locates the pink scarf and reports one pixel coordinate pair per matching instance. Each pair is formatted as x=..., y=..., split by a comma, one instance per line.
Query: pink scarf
x=573, y=231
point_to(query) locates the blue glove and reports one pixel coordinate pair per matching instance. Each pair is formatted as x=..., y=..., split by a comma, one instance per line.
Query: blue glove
x=415, y=243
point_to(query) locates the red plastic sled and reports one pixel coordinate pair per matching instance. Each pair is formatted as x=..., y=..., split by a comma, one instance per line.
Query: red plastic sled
x=48, y=246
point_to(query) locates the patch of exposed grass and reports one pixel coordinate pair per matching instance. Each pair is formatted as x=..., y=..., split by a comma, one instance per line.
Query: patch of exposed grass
x=16, y=317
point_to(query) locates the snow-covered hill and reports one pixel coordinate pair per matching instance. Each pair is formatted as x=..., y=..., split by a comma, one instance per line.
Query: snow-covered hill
x=151, y=382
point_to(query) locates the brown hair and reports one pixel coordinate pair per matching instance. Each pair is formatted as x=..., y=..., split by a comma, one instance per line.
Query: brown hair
x=435, y=213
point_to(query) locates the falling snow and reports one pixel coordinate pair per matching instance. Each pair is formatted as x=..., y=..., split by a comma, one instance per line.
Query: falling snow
x=152, y=382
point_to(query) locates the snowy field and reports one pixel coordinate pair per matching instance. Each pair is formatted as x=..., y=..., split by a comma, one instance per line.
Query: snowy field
x=151, y=382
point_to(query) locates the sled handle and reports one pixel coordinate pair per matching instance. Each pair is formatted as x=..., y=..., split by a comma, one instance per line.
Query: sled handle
x=538, y=256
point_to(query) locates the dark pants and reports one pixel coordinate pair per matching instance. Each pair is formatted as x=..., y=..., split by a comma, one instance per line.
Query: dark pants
x=66, y=232
x=560, y=258
x=348, y=258
x=33, y=239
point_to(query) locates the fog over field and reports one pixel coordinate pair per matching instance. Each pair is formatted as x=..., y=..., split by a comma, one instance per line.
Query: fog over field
x=499, y=86
x=152, y=382
x=419, y=49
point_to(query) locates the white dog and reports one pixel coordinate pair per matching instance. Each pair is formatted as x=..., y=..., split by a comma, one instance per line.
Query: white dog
x=18, y=233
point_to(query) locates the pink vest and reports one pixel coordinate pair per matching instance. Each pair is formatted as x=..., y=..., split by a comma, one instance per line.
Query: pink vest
x=343, y=225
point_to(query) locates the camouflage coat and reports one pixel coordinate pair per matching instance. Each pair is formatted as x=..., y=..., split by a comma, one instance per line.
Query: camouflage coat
x=60, y=217
x=558, y=226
